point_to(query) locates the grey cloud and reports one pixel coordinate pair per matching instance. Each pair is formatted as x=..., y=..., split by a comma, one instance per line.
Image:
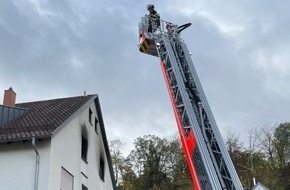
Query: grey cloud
x=61, y=48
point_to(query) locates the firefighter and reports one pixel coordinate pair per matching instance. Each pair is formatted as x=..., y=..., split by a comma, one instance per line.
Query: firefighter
x=154, y=18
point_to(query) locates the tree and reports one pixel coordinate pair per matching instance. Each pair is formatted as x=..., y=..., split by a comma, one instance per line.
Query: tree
x=177, y=167
x=117, y=157
x=150, y=156
x=233, y=144
x=265, y=169
x=234, y=147
x=282, y=143
x=282, y=146
x=128, y=175
x=265, y=138
x=160, y=164
x=123, y=171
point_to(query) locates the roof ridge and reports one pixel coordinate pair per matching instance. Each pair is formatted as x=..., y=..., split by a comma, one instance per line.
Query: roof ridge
x=38, y=101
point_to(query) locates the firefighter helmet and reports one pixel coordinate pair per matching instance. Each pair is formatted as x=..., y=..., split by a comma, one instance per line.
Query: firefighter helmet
x=149, y=6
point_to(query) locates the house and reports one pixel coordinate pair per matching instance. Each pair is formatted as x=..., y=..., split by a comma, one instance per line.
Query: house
x=57, y=144
x=260, y=186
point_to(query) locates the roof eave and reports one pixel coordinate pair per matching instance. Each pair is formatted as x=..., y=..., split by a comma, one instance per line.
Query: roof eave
x=23, y=139
x=107, y=150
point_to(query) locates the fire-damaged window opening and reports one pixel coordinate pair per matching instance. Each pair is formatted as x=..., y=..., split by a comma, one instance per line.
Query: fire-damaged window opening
x=84, y=187
x=90, y=116
x=96, y=125
x=102, y=169
x=84, y=148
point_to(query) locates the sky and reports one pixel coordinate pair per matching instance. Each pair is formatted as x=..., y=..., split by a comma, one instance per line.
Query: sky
x=60, y=48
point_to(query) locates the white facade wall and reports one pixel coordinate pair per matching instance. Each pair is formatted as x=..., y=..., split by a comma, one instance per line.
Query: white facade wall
x=66, y=153
x=17, y=165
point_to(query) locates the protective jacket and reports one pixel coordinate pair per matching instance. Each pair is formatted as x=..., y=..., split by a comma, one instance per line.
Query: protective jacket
x=155, y=17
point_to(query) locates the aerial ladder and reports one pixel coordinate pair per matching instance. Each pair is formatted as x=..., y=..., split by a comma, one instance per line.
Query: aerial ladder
x=210, y=165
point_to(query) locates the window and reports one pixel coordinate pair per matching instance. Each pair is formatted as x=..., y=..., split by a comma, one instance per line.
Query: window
x=90, y=116
x=84, y=148
x=96, y=125
x=66, y=180
x=102, y=170
x=84, y=187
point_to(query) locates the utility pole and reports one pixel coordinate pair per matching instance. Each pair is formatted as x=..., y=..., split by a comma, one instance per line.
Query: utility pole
x=251, y=169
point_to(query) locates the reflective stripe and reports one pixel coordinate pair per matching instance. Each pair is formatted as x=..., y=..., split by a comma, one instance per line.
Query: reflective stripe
x=155, y=16
x=144, y=46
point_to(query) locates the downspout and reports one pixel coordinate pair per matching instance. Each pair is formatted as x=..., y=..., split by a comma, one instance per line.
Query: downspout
x=36, y=164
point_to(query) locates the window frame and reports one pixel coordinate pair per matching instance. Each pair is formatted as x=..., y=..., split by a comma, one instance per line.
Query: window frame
x=64, y=176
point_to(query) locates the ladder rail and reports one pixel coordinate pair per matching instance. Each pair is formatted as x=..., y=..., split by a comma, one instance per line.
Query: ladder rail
x=191, y=120
x=214, y=127
x=201, y=115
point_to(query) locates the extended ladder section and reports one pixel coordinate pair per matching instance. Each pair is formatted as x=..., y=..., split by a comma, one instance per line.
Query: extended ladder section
x=207, y=157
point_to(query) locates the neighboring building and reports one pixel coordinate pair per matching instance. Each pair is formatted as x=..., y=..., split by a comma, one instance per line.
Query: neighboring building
x=57, y=144
x=260, y=186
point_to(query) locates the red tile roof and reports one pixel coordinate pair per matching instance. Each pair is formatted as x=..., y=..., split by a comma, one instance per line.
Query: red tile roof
x=42, y=119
